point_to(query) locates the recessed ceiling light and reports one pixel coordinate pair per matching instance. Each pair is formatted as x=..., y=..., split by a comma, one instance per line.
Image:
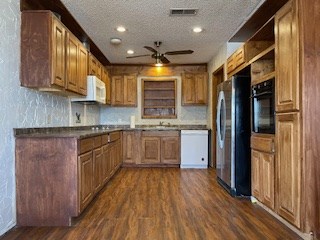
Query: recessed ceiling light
x=121, y=29
x=115, y=41
x=197, y=29
x=130, y=51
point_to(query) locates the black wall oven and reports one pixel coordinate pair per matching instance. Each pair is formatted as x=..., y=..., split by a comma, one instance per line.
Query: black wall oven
x=263, y=107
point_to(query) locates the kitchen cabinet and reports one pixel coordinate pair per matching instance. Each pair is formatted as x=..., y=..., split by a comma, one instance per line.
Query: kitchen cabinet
x=160, y=147
x=124, y=90
x=236, y=59
x=86, y=176
x=106, y=79
x=287, y=58
x=288, y=166
x=263, y=169
x=76, y=63
x=194, y=89
x=50, y=55
x=95, y=67
x=170, y=150
x=87, y=165
x=131, y=146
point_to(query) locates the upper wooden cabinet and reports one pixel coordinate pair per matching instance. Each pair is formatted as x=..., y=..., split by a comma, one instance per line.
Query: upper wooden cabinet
x=77, y=65
x=124, y=90
x=49, y=54
x=94, y=66
x=106, y=79
x=287, y=58
x=194, y=89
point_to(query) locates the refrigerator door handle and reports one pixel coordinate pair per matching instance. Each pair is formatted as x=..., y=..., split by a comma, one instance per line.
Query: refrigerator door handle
x=221, y=119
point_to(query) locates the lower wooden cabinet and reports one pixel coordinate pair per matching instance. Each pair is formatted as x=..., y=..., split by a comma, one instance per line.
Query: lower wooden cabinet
x=263, y=169
x=69, y=173
x=151, y=149
x=160, y=147
x=263, y=177
x=288, y=166
x=131, y=146
x=85, y=164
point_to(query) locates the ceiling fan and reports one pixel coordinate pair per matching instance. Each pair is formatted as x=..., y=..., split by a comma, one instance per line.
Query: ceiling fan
x=161, y=57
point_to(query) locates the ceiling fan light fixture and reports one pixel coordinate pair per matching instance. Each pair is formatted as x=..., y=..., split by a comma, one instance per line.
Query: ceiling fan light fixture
x=197, y=30
x=158, y=63
x=121, y=29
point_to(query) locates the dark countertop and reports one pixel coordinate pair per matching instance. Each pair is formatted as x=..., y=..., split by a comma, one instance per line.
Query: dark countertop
x=91, y=131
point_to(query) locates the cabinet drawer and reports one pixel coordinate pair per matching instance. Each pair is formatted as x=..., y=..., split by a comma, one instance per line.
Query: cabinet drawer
x=265, y=144
x=97, y=141
x=104, y=139
x=230, y=64
x=160, y=133
x=86, y=145
x=239, y=57
x=114, y=136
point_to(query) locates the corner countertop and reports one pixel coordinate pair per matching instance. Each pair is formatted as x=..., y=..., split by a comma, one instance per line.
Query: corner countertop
x=91, y=131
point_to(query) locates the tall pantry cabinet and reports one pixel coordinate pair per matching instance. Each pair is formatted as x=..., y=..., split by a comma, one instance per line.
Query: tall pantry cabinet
x=297, y=40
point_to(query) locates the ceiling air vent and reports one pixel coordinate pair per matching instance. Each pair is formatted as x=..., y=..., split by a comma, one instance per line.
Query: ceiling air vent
x=183, y=11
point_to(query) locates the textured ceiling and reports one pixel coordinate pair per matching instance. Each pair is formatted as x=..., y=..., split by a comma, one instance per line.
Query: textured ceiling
x=148, y=21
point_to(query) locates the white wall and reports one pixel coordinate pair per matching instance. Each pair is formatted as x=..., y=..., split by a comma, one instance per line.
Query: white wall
x=22, y=107
x=195, y=115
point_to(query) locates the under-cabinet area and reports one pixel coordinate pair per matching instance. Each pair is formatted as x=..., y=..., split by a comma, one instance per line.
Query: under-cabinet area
x=58, y=175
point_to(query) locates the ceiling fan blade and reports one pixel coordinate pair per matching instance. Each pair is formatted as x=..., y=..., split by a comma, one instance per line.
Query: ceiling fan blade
x=150, y=49
x=145, y=55
x=164, y=60
x=179, y=52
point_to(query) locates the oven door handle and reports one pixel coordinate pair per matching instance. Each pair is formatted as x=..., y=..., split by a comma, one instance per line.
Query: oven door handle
x=261, y=94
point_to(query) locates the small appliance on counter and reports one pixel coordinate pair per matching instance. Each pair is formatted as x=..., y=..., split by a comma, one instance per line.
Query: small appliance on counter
x=233, y=136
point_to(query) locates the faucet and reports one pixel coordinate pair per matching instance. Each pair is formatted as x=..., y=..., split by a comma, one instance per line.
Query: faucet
x=161, y=123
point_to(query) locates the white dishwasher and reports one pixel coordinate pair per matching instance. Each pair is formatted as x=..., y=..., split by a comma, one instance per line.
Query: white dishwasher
x=194, y=149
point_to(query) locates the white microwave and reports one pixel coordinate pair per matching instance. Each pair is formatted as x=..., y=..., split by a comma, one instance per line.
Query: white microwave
x=96, y=91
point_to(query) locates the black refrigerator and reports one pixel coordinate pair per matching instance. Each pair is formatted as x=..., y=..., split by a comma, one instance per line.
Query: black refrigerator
x=233, y=160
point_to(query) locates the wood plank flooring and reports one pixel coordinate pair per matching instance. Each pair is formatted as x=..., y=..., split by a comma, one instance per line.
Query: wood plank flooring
x=164, y=204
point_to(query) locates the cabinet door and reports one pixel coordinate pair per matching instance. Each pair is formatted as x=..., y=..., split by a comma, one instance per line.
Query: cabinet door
x=82, y=69
x=130, y=141
x=99, y=70
x=85, y=164
x=267, y=179
x=201, y=89
x=130, y=91
x=170, y=150
x=58, y=53
x=150, y=150
x=106, y=80
x=106, y=166
x=288, y=166
x=287, y=64
x=97, y=169
x=117, y=90
x=255, y=175
x=93, y=62
x=188, y=88
x=72, y=63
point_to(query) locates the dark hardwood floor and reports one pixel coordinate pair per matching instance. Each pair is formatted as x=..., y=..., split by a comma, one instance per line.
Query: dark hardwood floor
x=164, y=203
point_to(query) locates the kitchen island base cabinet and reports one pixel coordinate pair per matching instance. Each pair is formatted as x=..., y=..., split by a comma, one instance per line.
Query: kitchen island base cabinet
x=57, y=177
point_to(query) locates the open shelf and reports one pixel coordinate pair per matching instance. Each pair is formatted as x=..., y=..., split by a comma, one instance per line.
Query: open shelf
x=159, y=98
x=264, y=78
x=265, y=54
